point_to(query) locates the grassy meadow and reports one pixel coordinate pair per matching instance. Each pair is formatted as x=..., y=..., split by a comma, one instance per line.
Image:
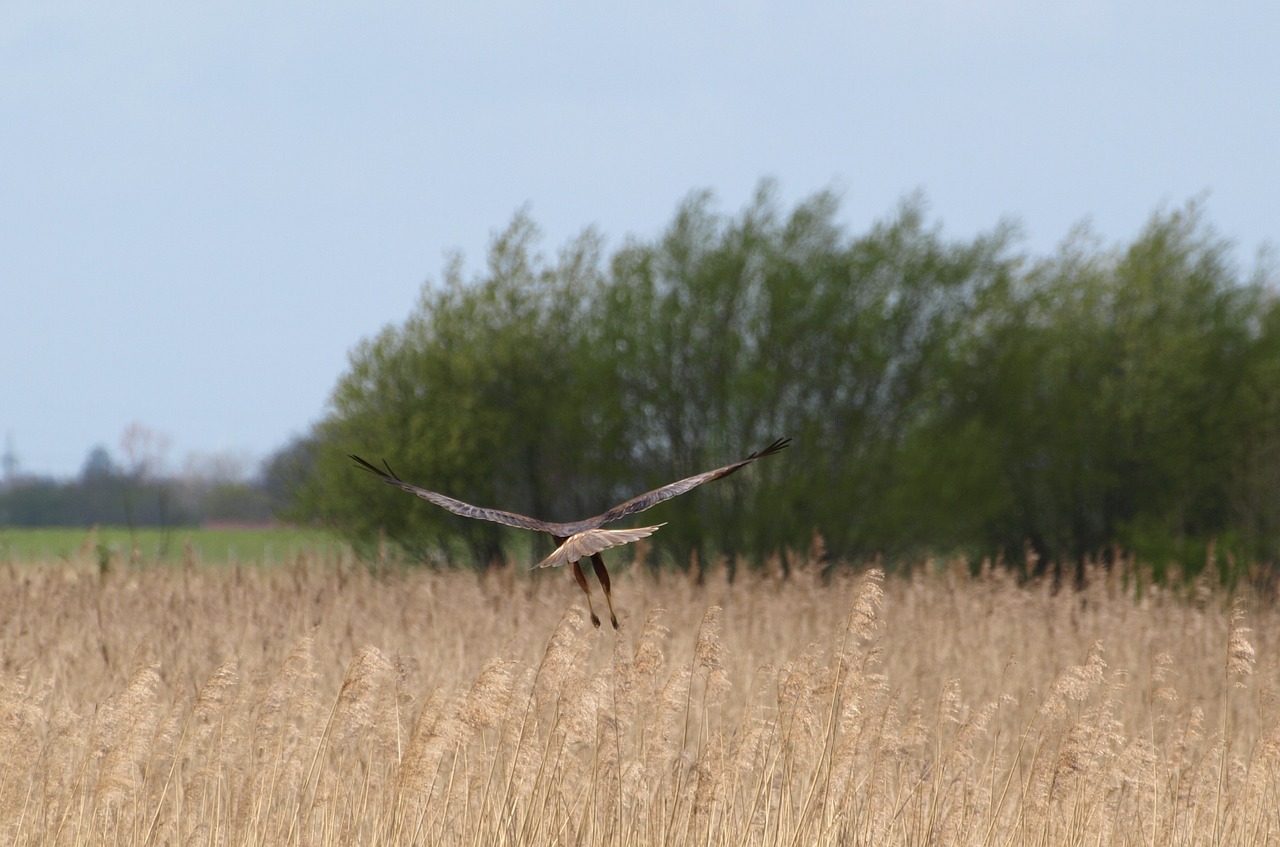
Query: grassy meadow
x=316, y=701
x=118, y=544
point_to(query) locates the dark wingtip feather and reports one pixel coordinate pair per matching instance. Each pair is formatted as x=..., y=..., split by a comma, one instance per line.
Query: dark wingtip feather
x=371, y=468
x=777, y=446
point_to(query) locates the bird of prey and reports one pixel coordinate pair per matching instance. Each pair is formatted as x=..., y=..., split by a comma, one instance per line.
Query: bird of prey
x=577, y=540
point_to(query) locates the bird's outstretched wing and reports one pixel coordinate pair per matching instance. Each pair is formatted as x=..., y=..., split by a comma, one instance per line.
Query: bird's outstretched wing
x=675, y=489
x=584, y=544
x=457, y=506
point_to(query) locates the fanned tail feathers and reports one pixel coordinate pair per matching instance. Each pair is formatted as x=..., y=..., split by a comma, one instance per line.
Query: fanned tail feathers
x=584, y=544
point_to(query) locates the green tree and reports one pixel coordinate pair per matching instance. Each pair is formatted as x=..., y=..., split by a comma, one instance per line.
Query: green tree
x=942, y=394
x=1104, y=390
x=1252, y=499
x=474, y=396
x=560, y=388
x=729, y=331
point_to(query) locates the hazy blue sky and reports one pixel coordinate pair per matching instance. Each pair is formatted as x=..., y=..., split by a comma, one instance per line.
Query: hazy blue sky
x=203, y=207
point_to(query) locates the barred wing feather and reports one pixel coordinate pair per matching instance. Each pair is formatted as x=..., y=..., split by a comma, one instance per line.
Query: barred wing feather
x=564, y=530
x=675, y=489
x=458, y=507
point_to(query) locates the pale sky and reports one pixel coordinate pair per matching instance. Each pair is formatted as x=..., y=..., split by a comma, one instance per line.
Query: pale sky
x=204, y=207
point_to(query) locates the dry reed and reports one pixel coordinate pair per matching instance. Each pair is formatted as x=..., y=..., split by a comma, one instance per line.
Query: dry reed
x=318, y=703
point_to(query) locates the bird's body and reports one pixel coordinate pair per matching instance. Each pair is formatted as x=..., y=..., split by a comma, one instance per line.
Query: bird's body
x=582, y=539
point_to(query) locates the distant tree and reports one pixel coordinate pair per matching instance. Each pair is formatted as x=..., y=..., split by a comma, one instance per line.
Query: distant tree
x=236, y=502
x=145, y=451
x=145, y=492
x=8, y=462
x=223, y=466
x=215, y=487
x=98, y=465
x=284, y=476
x=32, y=502
x=99, y=495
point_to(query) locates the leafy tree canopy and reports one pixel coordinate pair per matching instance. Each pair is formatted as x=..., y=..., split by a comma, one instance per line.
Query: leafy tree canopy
x=943, y=394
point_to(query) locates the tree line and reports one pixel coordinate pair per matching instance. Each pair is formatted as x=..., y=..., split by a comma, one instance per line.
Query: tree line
x=944, y=395
x=139, y=493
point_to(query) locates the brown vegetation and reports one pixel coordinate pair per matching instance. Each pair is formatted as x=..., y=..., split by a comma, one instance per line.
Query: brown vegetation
x=319, y=703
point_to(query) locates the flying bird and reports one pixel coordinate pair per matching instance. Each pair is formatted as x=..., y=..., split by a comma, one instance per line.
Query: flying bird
x=582, y=539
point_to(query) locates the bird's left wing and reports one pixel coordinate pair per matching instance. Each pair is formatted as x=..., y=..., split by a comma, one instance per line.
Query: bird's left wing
x=457, y=506
x=583, y=544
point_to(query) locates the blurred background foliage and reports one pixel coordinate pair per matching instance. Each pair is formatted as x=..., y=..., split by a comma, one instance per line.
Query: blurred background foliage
x=944, y=395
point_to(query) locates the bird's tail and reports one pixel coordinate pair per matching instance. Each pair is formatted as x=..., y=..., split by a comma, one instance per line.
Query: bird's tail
x=584, y=544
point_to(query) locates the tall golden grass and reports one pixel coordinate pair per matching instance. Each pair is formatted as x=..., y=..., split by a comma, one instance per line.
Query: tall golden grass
x=321, y=703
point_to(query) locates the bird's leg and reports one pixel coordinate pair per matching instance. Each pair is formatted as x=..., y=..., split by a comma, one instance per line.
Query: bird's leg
x=582, y=583
x=603, y=574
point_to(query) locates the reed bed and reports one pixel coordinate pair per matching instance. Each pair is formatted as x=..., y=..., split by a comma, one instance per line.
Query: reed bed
x=328, y=703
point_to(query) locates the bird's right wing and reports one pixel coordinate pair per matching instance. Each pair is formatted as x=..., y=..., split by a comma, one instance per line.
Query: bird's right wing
x=457, y=506
x=675, y=489
x=584, y=544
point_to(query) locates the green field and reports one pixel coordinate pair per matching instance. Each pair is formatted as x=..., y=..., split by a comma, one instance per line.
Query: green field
x=209, y=545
